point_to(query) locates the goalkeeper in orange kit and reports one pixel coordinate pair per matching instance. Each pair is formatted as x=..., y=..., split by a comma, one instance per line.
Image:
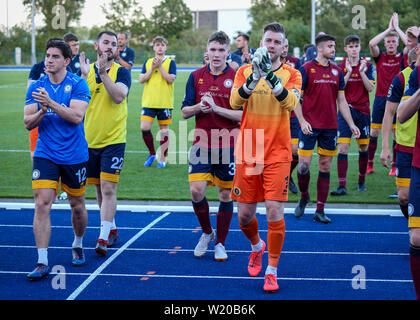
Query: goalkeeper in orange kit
x=268, y=91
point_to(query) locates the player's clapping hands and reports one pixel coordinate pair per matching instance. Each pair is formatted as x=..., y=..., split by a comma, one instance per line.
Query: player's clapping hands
x=42, y=97
x=207, y=103
x=84, y=64
x=156, y=63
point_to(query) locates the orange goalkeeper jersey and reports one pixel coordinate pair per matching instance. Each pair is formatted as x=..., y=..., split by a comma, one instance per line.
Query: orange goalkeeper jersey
x=265, y=127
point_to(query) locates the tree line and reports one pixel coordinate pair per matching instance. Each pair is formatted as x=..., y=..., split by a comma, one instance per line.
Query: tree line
x=173, y=20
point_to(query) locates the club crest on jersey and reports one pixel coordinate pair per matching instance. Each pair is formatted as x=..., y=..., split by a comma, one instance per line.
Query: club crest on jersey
x=334, y=72
x=410, y=209
x=301, y=144
x=77, y=65
x=67, y=88
x=236, y=191
x=228, y=83
x=36, y=174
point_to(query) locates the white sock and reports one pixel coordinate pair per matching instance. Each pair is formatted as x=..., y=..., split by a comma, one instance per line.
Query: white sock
x=105, y=229
x=43, y=256
x=257, y=247
x=77, y=242
x=271, y=270
x=113, y=226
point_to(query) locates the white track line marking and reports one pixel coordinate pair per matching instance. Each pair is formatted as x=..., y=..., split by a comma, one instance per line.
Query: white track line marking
x=230, y=230
x=230, y=251
x=188, y=209
x=114, y=256
x=216, y=277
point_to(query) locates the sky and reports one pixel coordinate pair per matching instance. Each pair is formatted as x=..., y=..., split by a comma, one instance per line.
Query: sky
x=13, y=12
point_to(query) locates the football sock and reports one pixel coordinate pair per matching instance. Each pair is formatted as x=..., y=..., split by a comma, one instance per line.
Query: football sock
x=251, y=232
x=342, y=165
x=43, y=256
x=295, y=162
x=148, y=140
x=201, y=210
x=224, y=217
x=373, y=144
x=77, y=242
x=415, y=268
x=164, y=145
x=113, y=225
x=275, y=240
x=105, y=229
x=363, y=162
x=303, y=182
x=322, y=186
x=394, y=153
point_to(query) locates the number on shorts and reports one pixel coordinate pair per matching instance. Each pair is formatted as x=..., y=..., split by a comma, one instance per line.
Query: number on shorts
x=81, y=175
x=232, y=168
x=117, y=163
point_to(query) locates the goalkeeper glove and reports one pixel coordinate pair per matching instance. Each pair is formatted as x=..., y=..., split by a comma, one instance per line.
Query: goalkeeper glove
x=267, y=73
x=254, y=77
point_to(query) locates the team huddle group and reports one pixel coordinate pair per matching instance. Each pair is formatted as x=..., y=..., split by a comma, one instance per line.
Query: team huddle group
x=268, y=109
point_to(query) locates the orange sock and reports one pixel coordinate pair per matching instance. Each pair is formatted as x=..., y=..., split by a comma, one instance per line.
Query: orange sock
x=251, y=231
x=275, y=239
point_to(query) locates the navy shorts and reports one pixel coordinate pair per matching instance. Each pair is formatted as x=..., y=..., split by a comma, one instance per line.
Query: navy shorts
x=378, y=111
x=46, y=175
x=294, y=129
x=105, y=163
x=403, y=168
x=361, y=120
x=216, y=166
x=164, y=116
x=326, y=139
x=414, y=199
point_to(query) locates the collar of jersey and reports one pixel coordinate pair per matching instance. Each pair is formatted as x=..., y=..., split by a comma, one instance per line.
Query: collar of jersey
x=316, y=62
x=224, y=70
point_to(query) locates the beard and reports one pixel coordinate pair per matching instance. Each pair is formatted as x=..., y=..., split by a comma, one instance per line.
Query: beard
x=109, y=54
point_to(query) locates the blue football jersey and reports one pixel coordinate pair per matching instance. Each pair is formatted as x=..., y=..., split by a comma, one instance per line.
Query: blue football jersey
x=59, y=140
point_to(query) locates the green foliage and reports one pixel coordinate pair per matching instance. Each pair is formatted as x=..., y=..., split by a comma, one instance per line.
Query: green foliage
x=170, y=18
x=126, y=16
x=54, y=23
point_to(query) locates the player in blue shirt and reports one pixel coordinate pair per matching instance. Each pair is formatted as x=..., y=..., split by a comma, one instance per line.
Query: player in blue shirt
x=57, y=103
x=73, y=42
x=125, y=55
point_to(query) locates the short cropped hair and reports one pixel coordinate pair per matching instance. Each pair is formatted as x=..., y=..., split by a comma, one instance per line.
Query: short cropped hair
x=159, y=39
x=350, y=39
x=59, y=44
x=307, y=46
x=323, y=38
x=107, y=32
x=274, y=27
x=220, y=37
x=392, y=34
x=124, y=33
x=243, y=35
x=68, y=37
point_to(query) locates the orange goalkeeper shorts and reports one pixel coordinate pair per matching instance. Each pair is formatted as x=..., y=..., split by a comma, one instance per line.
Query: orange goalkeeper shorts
x=33, y=138
x=256, y=184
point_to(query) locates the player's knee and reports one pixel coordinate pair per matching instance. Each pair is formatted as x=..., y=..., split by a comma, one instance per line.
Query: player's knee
x=343, y=148
x=224, y=195
x=77, y=205
x=303, y=168
x=374, y=133
x=197, y=194
x=415, y=237
x=363, y=147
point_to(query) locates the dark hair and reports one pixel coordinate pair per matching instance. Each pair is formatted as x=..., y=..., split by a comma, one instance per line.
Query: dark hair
x=275, y=27
x=351, y=38
x=220, y=37
x=307, y=46
x=323, y=38
x=59, y=44
x=418, y=39
x=110, y=33
x=70, y=37
x=124, y=33
x=159, y=39
x=243, y=35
